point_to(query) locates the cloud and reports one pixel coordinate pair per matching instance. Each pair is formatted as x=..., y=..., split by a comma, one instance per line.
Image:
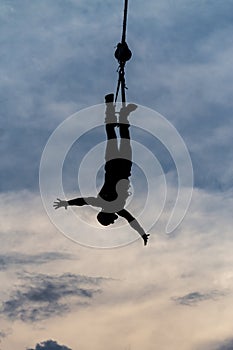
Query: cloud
x=137, y=301
x=46, y=296
x=50, y=345
x=194, y=298
x=18, y=259
x=57, y=57
x=2, y=334
x=226, y=344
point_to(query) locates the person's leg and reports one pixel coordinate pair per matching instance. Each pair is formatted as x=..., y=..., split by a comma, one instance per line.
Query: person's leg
x=124, y=125
x=125, y=152
x=111, y=151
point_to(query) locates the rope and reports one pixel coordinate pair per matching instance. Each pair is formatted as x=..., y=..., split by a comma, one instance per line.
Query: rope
x=123, y=40
x=122, y=54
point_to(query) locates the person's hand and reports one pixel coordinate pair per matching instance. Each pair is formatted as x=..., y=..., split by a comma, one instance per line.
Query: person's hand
x=145, y=238
x=59, y=203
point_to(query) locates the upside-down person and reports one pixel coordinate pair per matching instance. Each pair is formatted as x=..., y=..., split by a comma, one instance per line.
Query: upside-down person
x=118, y=163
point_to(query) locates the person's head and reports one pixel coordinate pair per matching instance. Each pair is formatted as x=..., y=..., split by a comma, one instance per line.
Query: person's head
x=106, y=219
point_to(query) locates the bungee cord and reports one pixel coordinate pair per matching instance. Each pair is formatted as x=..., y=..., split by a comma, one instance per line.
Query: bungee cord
x=122, y=54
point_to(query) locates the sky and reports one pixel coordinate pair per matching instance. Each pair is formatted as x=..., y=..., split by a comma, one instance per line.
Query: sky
x=57, y=58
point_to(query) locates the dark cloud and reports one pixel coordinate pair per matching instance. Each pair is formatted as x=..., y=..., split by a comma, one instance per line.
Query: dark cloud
x=44, y=296
x=50, y=345
x=193, y=298
x=8, y=260
x=226, y=344
x=2, y=334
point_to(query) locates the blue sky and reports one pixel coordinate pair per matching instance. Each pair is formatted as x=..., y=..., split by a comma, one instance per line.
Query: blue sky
x=56, y=59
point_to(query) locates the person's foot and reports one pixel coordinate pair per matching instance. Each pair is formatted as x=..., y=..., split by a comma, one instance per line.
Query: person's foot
x=125, y=112
x=145, y=238
x=131, y=107
x=109, y=98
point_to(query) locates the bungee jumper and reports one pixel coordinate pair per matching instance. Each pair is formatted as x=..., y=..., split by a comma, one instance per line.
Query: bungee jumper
x=112, y=197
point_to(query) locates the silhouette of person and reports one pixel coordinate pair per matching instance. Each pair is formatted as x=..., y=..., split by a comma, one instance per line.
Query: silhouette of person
x=118, y=163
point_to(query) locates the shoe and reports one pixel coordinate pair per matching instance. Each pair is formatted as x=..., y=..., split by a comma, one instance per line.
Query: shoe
x=131, y=107
x=110, y=109
x=125, y=112
x=109, y=98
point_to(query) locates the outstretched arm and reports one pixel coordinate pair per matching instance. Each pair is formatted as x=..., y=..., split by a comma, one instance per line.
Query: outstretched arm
x=134, y=224
x=77, y=201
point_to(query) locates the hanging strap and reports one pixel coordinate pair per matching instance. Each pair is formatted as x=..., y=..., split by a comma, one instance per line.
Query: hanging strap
x=121, y=83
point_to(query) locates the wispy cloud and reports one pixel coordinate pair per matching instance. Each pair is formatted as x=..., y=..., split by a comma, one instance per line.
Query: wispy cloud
x=46, y=296
x=193, y=265
x=194, y=298
x=17, y=259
